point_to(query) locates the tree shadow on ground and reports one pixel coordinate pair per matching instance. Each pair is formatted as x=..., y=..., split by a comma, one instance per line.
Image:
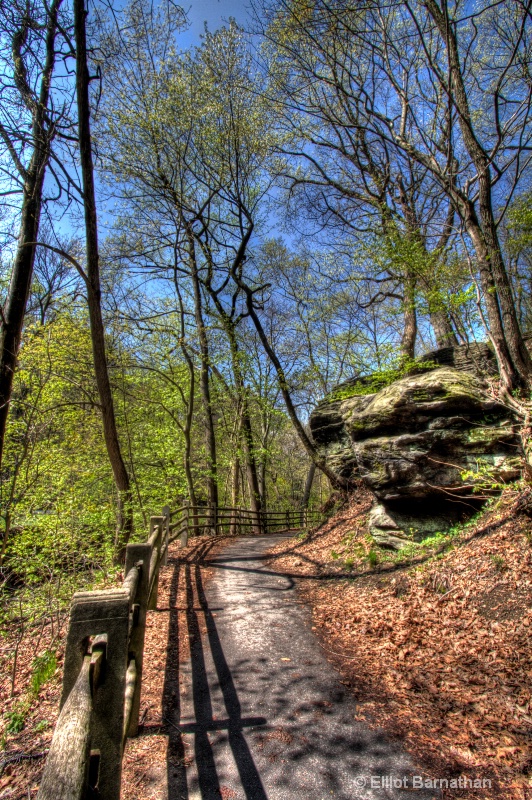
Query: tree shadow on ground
x=299, y=728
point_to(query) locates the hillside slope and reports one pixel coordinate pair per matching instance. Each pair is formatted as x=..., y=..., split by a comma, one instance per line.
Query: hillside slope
x=436, y=646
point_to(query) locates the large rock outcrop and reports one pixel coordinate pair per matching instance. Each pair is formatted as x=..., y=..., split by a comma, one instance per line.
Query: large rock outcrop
x=411, y=443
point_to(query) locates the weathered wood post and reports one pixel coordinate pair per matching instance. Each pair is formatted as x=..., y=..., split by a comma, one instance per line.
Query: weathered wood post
x=136, y=553
x=155, y=539
x=95, y=613
x=70, y=744
x=194, y=529
x=184, y=533
x=287, y=519
x=211, y=519
x=166, y=535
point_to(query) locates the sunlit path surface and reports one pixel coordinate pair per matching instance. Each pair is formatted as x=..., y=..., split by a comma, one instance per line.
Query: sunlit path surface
x=262, y=712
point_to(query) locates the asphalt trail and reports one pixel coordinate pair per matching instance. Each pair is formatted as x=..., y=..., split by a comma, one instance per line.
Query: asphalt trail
x=262, y=711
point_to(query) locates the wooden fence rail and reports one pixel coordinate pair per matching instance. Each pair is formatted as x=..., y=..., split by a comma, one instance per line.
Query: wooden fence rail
x=103, y=664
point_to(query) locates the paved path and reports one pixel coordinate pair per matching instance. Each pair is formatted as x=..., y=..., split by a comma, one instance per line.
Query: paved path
x=262, y=710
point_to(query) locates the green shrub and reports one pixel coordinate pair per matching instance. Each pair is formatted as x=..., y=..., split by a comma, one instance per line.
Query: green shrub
x=43, y=667
x=16, y=720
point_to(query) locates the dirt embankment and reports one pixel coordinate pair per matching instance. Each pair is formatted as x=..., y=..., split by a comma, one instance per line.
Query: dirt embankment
x=437, y=649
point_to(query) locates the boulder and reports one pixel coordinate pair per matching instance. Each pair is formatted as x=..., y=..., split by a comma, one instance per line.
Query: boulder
x=415, y=438
x=327, y=424
x=412, y=444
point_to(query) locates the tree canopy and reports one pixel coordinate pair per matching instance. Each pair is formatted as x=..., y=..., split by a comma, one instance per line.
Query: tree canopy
x=200, y=242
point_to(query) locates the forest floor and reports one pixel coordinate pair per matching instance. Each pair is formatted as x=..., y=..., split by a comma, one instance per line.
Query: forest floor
x=434, y=646
x=27, y=719
x=434, y=650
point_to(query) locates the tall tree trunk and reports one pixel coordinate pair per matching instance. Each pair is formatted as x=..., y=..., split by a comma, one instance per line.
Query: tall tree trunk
x=443, y=329
x=516, y=345
x=262, y=483
x=507, y=369
x=187, y=428
x=515, y=363
x=235, y=482
x=440, y=318
x=235, y=491
x=247, y=431
x=308, y=485
x=19, y=287
x=251, y=469
x=235, y=473
x=408, y=339
x=121, y=477
x=210, y=437
x=12, y=317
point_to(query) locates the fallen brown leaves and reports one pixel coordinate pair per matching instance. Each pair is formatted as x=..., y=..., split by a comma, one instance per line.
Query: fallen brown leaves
x=146, y=761
x=22, y=758
x=152, y=758
x=438, y=652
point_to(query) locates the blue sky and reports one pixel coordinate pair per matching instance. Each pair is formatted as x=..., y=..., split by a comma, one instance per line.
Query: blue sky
x=215, y=12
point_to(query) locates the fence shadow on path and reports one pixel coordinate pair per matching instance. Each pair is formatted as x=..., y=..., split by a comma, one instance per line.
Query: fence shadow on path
x=171, y=706
x=188, y=621
x=312, y=742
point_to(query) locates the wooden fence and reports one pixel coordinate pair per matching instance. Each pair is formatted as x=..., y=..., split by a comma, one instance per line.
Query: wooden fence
x=102, y=672
x=190, y=520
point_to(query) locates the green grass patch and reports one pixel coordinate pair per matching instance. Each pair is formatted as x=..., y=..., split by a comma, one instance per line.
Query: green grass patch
x=379, y=379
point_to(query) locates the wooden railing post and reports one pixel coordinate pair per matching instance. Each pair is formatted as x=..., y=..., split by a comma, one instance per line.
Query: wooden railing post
x=156, y=524
x=184, y=535
x=136, y=553
x=71, y=744
x=102, y=676
x=287, y=519
x=94, y=613
x=166, y=535
x=211, y=520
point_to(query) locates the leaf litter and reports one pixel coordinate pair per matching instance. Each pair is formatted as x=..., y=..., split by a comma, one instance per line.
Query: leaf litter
x=435, y=647
x=149, y=760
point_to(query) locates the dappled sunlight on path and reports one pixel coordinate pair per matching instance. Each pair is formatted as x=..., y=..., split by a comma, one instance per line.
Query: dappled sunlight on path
x=252, y=710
